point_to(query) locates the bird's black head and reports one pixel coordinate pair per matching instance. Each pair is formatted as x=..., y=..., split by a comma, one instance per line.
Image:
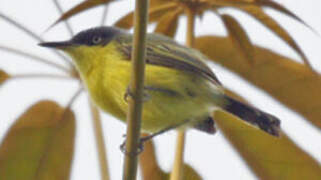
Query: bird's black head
x=96, y=36
x=91, y=37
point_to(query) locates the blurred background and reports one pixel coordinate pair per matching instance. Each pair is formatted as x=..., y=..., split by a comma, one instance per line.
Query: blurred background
x=211, y=156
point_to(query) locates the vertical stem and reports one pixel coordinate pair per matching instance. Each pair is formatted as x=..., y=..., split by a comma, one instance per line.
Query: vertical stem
x=178, y=169
x=190, y=35
x=100, y=143
x=135, y=102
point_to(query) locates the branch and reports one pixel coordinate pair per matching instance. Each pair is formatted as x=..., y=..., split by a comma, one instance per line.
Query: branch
x=135, y=102
x=100, y=143
x=177, y=171
x=60, y=10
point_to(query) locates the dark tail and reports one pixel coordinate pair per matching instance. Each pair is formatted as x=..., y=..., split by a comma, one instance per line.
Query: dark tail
x=255, y=117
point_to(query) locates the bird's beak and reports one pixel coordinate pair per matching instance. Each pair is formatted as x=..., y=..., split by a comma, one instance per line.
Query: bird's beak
x=57, y=45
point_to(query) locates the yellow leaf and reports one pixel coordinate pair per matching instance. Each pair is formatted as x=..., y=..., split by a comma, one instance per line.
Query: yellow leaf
x=271, y=24
x=155, y=14
x=39, y=145
x=3, y=76
x=239, y=37
x=290, y=82
x=235, y=2
x=167, y=25
x=280, y=8
x=154, y=3
x=83, y=6
x=148, y=163
x=189, y=173
x=151, y=170
x=269, y=157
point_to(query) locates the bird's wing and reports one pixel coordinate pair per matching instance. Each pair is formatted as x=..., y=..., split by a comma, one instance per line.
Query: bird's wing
x=163, y=51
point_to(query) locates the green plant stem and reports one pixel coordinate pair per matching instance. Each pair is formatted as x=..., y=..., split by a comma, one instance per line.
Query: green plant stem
x=177, y=171
x=100, y=142
x=135, y=102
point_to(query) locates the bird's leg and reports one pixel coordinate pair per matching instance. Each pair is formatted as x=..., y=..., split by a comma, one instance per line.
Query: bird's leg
x=128, y=93
x=147, y=138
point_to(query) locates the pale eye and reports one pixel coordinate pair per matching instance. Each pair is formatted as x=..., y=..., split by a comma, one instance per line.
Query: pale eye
x=96, y=40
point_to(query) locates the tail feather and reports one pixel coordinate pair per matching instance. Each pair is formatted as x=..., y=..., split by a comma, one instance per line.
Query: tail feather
x=253, y=116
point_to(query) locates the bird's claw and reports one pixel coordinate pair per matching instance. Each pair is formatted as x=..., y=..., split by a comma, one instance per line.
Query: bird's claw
x=128, y=93
x=139, y=150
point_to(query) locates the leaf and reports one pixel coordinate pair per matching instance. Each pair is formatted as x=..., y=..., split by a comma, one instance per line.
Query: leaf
x=167, y=25
x=154, y=3
x=155, y=14
x=190, y=173
x=271, y=24
x=239, y=37
x=39, y=145
x=292, y=83
x=148, y=163
x=3, y=76
x=126, y=22
x=85, y=5
x=151, y=170
x=274, y=5
x=267, y=156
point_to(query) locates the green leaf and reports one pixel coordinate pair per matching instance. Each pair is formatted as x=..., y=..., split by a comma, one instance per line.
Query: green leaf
x=239, y=37
x=3, y=76
x=292, y=83
x=40, y=144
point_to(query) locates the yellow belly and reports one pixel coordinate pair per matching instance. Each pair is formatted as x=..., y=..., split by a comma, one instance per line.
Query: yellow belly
x=175, y=96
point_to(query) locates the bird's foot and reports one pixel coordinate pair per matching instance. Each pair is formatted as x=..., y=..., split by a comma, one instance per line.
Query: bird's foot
x=128, y=93
x=139, y=150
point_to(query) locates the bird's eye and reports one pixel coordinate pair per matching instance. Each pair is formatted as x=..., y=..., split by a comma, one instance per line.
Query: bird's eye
x=96, y=39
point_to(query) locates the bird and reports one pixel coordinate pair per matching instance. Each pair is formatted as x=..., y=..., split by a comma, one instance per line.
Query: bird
x=182, y=91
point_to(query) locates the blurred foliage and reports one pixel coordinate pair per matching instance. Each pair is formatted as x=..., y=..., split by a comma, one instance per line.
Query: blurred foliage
x=239, y=38
x=3, y=76
x=151, y=169
x=39, y=145
x=290, y=82
x=267, y=156
x=254, y=8
x=85, y=5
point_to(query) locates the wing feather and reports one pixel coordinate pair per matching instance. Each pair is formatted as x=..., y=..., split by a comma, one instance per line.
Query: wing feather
x=163, y=51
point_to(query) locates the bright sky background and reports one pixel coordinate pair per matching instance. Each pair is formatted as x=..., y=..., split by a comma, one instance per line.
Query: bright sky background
x=211, y=156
